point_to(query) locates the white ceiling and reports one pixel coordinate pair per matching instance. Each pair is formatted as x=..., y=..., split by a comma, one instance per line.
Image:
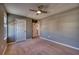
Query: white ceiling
x=23, y=9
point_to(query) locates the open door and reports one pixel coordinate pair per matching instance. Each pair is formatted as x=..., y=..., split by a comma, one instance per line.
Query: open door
x=35, y=25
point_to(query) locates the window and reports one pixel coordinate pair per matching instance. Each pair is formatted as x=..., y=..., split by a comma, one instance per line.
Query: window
x=5, y=26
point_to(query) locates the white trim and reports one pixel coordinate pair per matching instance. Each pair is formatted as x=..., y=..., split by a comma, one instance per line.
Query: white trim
x=15, y=42
x=4, y=50
x=18, y=41
x=69, y=46
x=11, y=42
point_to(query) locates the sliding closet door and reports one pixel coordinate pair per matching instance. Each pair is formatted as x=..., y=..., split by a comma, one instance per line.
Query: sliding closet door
x=20, y=30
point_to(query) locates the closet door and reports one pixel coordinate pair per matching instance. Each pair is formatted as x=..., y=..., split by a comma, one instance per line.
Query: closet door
x=20, y=31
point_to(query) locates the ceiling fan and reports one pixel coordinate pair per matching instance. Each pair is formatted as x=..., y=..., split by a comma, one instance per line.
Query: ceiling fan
x=39, y=10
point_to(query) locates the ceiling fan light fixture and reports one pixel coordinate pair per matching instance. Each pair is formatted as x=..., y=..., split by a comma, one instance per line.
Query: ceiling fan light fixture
x=38, y=12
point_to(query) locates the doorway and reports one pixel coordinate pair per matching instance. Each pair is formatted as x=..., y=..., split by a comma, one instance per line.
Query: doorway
x=36, y=28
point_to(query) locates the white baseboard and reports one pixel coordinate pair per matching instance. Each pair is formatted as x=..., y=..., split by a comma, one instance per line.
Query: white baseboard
x=18, y=41
x=69, y=46
x=4, y=50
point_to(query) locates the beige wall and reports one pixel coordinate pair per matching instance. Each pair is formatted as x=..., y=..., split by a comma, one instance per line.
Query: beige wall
x=29, y=28
x=62, y=27
x=2, y=41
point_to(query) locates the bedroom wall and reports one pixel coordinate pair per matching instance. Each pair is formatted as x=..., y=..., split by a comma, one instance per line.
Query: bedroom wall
x=2, y=39
x=29, y=28
x=62, y=27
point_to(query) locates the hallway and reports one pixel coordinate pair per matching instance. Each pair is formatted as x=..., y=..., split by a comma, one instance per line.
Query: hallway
x=38, y=46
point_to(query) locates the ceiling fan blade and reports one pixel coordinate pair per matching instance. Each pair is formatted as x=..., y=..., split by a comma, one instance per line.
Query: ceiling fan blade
x=43, y=11
x=40, y=7
x=33, y=10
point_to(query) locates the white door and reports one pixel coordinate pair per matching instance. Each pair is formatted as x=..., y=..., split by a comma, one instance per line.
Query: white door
x=20, y=29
